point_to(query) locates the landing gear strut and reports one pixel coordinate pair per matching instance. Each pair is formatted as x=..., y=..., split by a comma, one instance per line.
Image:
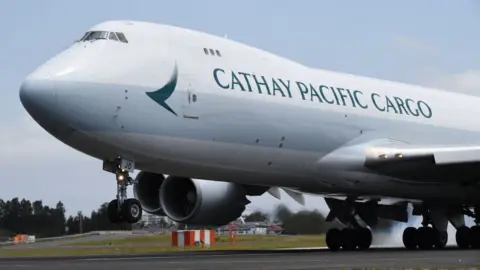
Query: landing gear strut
x=470, y=237
x=123, y=209
x=424, y=237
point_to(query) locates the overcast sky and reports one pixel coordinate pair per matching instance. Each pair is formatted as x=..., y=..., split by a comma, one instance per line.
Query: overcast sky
x=430, y=42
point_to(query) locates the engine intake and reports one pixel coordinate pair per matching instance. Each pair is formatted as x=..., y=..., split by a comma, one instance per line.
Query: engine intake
x=202, y=202
x=147, y=191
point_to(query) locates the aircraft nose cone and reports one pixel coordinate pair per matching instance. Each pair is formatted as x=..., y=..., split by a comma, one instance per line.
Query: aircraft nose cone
x=38, y=95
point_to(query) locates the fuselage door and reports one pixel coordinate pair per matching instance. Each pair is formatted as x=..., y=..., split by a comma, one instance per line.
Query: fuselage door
x=190, y=105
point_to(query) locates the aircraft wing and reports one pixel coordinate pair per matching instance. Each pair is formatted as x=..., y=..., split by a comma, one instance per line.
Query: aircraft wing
x=417, y=163
x=400, y=161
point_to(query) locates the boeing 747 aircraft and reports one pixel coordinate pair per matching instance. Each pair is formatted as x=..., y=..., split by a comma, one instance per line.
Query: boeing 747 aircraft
x=182, y=106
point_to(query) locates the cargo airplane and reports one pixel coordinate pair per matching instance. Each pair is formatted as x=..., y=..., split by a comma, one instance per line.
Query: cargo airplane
x=208, y=122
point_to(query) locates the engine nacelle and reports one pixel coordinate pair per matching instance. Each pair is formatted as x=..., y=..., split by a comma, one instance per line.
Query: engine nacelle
x=147, y=191
x=202, y=202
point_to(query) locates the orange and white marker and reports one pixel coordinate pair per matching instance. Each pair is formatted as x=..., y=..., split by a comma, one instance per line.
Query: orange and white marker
x=189, y=238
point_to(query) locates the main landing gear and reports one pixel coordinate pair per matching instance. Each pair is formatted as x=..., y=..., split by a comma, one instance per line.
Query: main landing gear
x=348, y=239
x=355, y=236
x=470, y=237
x=123, y=209
x=424, y=237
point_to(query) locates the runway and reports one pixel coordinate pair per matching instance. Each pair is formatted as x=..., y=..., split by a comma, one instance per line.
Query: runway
x=274, y=260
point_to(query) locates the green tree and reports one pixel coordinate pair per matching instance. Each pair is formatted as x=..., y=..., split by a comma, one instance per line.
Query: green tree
x=305, y=222
x=24, y=217
x=257, y=216
x=281, y=213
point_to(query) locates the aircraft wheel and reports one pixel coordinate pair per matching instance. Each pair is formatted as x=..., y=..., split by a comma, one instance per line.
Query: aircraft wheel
x=475, y=236
x=364, y=238
x=410, y=237
x=349, y=239
x=333, y=239
x=113, y=213
x=441, y=239
x=131, y=210
x=426, y=237
x=463, y=237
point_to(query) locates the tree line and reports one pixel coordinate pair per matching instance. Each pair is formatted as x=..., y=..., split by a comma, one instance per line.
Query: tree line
x=34, y=218
x=305, y=221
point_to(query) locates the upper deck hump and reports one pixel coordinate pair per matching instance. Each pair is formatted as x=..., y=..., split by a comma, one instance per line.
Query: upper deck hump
x=155, y=29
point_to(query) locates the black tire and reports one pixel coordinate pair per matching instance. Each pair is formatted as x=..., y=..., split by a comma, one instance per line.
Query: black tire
x=441, y=239
x=463, y=237
x=426, y=236
x=333, y=239
x=364, y=238
x=131, y=211
x=410, y=238
x=475, y=234
x=112, y=211
x=349, y=239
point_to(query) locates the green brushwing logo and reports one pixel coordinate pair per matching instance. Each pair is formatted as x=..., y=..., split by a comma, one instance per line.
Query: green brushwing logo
x=161, y=95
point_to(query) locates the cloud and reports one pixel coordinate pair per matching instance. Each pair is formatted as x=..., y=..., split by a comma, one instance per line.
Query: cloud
x=24, y=138
x=429, y=73
x=414, y=45
x=467, y=82
x=36, y=166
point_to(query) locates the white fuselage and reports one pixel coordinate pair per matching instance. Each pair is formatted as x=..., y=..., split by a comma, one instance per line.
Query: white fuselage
x=243, y=115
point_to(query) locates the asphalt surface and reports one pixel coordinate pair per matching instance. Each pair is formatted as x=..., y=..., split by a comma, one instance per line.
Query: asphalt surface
x=274, y=260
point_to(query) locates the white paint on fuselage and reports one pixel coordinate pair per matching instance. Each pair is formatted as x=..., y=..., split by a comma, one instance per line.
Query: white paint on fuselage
x=148, y=60
x=239, y=136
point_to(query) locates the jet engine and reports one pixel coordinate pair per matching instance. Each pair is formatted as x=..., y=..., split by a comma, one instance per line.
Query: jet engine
x=147, y=191
x=197, y=202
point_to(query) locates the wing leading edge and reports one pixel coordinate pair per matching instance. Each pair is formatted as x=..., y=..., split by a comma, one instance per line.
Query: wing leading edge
x=460, y=164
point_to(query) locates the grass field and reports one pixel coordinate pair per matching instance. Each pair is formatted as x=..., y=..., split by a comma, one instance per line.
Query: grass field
x=139, y=240
x=161, y=243
x=305, y=240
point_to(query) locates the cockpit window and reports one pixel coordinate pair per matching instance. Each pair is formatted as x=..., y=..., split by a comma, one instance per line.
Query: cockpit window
x=86, y=34
x=122, y=37
x=112, y=36
x=95, y=35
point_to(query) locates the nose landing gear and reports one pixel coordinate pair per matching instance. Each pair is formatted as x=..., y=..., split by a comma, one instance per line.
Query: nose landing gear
x=123, y=209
